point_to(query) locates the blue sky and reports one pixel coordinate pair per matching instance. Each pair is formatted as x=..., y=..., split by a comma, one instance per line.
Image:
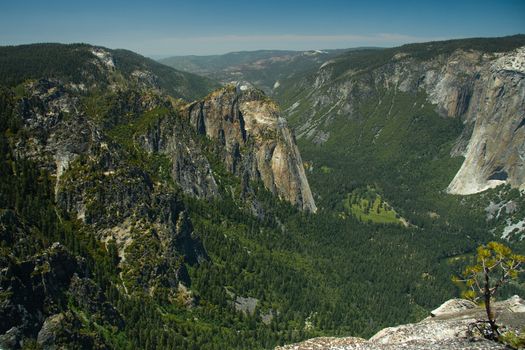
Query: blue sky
x=162, y=28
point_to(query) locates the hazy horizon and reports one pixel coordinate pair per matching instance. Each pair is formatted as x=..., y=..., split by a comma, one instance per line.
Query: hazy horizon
x=174, y=28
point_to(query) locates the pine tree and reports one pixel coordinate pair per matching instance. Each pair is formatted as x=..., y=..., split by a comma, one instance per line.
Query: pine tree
x=495, y=266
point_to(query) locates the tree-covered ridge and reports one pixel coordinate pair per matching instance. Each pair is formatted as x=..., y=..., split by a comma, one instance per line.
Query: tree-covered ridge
x=78, y=64
x=363, y=60
x=368, y=59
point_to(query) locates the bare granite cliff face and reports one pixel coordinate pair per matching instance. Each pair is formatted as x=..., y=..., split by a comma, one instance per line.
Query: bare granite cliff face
x=254, y=141
x=445, y=329
x=495, y=153
x=172, y=137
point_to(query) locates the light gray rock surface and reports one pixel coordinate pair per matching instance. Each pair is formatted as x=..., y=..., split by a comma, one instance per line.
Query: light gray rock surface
x=255, y=141
x=495, y=153
x=446, y=331
x=453, y=306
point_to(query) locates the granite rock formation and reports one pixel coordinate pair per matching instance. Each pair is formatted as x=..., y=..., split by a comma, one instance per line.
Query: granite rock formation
x=254, y=141
x=447, y=330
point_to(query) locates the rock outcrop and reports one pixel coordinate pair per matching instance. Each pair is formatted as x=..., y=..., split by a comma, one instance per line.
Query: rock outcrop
x=254, y=141
x=35, y=290
x=496, y=150
x=453, y=306
x=445, y=331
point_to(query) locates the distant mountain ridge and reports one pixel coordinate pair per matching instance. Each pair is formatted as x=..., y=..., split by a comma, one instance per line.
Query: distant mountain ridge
x=263, y=69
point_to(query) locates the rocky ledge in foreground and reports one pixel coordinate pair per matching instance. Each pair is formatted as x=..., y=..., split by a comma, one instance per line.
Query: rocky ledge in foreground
x=445, y=329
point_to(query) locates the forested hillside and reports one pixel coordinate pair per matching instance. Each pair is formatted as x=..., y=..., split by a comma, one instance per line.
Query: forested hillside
x=77, y=63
